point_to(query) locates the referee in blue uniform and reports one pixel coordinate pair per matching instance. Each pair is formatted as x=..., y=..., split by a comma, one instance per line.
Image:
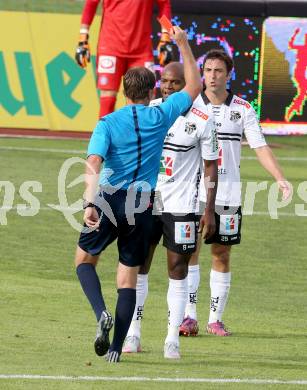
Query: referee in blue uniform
x=129, y=142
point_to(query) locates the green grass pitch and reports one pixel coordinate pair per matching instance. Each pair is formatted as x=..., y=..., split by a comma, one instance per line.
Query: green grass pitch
x=47, y=327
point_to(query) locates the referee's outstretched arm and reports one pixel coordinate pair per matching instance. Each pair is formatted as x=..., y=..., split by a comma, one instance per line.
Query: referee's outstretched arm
x=191, y=72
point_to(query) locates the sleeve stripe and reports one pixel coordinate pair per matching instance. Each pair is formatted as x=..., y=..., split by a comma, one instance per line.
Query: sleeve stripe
x=230, y=134
x=229, y=139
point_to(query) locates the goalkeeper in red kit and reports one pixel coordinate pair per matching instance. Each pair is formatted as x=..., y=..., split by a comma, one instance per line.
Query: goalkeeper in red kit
x=124, y=42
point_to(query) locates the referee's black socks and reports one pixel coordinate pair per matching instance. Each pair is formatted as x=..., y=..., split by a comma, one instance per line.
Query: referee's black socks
x=91, y=286
x=123, y=316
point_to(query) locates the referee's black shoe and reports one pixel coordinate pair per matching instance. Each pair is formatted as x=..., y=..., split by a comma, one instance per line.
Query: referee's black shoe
x=112, y=357
x=102, y=341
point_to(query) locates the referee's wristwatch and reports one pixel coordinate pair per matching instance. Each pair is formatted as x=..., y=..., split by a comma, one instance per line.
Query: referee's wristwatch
x=87, y=204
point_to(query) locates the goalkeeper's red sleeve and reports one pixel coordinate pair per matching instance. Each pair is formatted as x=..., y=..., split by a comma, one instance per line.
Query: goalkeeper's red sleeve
x=164, y=8
x=89, y=11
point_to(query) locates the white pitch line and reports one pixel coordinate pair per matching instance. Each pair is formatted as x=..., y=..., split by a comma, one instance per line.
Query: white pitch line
x=43, y=208
x=157, y=379
x=74, y=210
x=279, y=158
x=281, y=214
x=26, y=149
x=42, y=136
x=74, y=151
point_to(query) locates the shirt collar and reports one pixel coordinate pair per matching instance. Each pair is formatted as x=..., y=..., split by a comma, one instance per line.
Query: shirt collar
x=227, y=101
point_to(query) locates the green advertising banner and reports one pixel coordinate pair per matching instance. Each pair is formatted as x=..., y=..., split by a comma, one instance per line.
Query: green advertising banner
x=41, y=86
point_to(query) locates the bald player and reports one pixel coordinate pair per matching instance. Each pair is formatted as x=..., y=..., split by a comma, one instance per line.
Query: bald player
x=190, y=141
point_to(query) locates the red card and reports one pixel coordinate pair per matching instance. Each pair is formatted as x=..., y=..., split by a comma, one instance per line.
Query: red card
x=165, y=23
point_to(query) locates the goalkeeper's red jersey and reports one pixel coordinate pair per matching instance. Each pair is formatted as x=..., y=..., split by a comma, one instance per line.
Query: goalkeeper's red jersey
x=125, y=25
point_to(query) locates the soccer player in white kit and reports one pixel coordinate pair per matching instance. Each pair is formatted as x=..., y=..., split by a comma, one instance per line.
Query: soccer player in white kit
x=190, y=144
x=234, y=117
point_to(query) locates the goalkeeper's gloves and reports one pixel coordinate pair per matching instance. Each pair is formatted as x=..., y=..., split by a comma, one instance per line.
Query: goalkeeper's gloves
x=165, y=49
x=83, y=54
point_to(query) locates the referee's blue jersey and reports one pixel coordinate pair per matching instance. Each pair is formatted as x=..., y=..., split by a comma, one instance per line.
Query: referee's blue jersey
x=130, y=141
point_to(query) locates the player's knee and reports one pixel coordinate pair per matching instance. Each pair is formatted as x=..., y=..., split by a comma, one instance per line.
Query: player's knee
x=194, y=258
x=221, y=259
x=221, y=254
x=178, y=269
x=82, y=257
x=144, y=269
x=126, y=276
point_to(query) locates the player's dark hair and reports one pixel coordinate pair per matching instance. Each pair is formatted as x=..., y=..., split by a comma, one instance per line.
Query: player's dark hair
x=138, y=82
x=219, y=55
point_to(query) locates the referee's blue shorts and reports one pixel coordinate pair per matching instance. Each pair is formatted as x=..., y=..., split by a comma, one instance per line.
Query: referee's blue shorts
x=132, y=229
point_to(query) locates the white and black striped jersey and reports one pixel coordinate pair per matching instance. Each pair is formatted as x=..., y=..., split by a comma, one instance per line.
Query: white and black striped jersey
x=233, y=118
x=191, y=139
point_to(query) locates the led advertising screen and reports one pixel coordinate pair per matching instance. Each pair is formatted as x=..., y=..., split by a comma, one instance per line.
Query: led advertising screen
x=283, y=77
x=239, y=37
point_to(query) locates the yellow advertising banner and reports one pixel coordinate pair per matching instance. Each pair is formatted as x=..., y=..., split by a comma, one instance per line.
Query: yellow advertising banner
x=41, y=86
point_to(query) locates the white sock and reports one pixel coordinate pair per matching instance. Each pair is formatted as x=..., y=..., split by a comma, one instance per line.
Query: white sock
x=177, y=296
x=220, y=285
x=193, y=283
x=141, y=295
